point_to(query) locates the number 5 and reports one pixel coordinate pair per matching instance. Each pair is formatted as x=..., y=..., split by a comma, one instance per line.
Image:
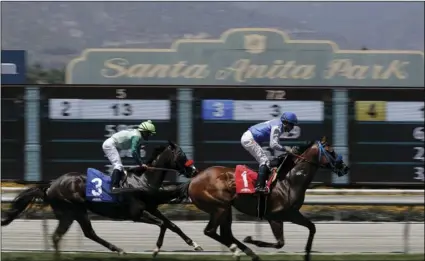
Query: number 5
x=98, y=187
x=245, y=179
x=121, y=93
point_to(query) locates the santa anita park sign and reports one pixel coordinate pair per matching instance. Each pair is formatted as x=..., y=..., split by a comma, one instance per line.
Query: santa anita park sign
x=249, y=56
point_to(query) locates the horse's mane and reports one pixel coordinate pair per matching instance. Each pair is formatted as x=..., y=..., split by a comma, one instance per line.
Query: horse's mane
x=303, y=147
x=156, y=151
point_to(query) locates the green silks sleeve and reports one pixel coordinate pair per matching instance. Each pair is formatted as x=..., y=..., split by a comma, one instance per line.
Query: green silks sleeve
x=135, y=149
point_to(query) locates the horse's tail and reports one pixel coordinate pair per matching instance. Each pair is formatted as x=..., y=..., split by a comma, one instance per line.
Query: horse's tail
x=23, y=200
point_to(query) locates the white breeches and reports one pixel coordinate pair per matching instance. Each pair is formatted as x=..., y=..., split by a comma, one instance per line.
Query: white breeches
x=112, y=153
x=254, y=148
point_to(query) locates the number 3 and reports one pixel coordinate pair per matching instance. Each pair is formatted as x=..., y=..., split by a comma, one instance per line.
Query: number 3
x=245, y=179
x=98, y=187
x=218, y=109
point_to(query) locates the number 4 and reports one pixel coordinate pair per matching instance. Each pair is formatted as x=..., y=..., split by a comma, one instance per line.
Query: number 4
x=372, y=111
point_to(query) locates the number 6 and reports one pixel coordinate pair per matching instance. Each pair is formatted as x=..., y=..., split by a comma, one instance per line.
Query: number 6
x=98, y=187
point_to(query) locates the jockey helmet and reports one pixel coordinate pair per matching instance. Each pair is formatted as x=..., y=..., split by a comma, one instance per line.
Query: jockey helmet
x=147, y=126
x=289, y=117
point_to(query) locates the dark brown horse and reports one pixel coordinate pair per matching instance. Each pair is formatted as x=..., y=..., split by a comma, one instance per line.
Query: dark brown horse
x=213, y=191
x=67, y=197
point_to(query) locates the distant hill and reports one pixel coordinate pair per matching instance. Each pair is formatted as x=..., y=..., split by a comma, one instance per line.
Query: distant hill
x=55, y=32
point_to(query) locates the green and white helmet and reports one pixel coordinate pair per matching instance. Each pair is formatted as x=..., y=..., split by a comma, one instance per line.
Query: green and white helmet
x=147, y=126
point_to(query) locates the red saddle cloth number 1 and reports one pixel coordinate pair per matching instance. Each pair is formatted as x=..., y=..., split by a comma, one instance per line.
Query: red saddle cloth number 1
x=245, y=180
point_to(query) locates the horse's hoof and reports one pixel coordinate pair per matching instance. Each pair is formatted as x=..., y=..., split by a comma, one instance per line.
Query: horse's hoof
x=199, y=248
x=248, y=239
x=155, y=252
x=121, y=252
x=256, y=258
x=237, y=255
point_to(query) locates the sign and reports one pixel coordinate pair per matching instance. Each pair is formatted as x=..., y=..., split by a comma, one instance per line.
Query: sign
x=13, y=66
x=249, y=56
x=222, y=115
x=77, y=120
x=386, y=136
x=12, y=132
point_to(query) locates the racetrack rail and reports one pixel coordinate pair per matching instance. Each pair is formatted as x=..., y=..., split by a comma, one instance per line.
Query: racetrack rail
x=331, y=237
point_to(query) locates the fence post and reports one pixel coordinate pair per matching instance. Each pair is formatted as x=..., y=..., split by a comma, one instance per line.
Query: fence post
x=406, y=232
x=32, y=134
x=45, y=227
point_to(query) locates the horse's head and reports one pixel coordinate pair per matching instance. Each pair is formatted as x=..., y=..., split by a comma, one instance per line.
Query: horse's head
x=323, y=154
x=173, y=157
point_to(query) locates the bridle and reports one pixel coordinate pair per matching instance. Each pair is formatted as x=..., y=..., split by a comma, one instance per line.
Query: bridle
x=322, y=152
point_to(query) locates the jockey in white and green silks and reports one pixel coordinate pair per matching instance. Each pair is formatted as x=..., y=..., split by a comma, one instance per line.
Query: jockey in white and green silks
x=125, y=140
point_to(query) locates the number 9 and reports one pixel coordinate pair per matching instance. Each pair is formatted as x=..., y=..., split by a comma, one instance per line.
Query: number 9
x=218, y=109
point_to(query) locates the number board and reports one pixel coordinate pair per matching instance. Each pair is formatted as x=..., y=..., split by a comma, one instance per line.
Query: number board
x=12, y=132
x=386, y=135
x=77, y=120
x=223, y=115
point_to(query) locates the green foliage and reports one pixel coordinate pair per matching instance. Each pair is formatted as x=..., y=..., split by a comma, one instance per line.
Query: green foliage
x=36, y=74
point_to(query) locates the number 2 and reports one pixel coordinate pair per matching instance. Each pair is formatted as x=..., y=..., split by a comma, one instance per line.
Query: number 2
x=65, y=108
x=245, y=179
x=98, y=187
x=419, y=153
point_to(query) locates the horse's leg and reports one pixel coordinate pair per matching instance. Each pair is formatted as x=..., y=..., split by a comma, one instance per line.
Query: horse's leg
x=161, y=236
x=85, y=224
x=277, y=229
x=226, y=232
x=173, y=227
x=65, y=221
x=296, y=217
x=216, y=218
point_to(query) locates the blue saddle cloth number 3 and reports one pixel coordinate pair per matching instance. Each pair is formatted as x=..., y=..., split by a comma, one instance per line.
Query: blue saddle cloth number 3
x=97, y=186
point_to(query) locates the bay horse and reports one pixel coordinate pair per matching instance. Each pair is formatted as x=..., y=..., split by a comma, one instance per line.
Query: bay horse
x=67, y=197
x=213, y=191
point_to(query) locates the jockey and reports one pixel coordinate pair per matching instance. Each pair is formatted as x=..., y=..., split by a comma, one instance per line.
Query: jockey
x=124, y=140
x=262, y=132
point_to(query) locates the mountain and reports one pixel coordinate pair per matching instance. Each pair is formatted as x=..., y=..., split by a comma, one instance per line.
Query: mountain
x=55, y=32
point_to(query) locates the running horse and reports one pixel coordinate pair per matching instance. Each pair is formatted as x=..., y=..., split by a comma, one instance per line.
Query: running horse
x=215, y=190
x=68, y=196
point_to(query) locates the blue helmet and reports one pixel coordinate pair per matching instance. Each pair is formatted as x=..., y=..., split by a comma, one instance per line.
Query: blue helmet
x=289, y=117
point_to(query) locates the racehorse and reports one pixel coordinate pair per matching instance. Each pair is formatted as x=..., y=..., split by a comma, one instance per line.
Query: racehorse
x=67, y=197
x=213, y=190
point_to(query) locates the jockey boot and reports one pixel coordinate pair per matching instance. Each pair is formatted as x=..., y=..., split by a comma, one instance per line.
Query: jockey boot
x=260, y=187
x=115, y=179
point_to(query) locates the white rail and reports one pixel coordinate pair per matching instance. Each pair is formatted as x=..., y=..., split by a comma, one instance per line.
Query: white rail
x=309, y=191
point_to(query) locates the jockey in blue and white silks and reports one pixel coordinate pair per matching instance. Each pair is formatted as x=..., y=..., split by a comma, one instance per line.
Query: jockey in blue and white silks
x=262, y=132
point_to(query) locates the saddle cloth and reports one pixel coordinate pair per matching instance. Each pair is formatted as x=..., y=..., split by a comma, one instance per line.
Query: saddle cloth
x=98, y=186
x=245, y=179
